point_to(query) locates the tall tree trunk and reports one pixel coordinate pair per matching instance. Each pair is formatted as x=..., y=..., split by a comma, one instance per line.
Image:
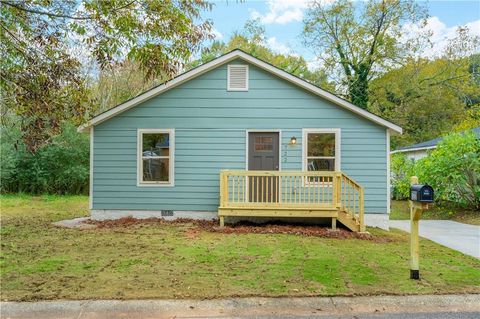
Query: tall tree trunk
x=358, y=87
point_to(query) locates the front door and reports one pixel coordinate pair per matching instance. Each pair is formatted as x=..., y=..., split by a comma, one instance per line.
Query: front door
x=263, y=155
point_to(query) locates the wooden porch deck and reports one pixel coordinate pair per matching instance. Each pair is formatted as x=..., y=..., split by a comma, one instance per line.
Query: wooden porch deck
x=292, y=194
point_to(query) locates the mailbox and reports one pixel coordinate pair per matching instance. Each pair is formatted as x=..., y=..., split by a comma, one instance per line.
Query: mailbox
x=421, y=193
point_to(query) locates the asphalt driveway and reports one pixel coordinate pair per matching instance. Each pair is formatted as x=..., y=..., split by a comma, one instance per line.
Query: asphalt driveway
x=462, y=237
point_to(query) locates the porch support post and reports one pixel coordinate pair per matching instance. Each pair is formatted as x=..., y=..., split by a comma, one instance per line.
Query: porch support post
x=222, y=221
x=338, y=189
x=334, y=223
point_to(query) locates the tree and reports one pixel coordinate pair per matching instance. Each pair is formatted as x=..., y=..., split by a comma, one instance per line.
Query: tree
x=430, y=98
x=47, y=44
x=120, y=83
x=358, y=45
x=251, y=39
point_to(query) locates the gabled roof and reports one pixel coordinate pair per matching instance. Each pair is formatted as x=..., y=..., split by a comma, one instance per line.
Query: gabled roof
x=237, y=54
x=428, y=144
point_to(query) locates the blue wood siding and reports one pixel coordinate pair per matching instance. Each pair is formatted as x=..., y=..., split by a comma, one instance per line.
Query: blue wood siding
x=210, y=134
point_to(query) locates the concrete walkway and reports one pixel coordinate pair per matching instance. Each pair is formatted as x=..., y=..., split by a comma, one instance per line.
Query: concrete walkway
x=398, y=307
x=462, y=237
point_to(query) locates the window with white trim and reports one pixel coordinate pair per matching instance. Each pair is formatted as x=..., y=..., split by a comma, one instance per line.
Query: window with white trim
x=237, y=77
x=155, y=157
x=321, y=150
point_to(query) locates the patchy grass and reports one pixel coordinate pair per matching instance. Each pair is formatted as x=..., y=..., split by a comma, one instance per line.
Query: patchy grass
x=401, y=211
x=160, y=260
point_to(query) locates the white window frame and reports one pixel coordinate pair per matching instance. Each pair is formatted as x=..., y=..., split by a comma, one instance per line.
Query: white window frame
x=338, y=147
x=228, y=77
x=171, y=158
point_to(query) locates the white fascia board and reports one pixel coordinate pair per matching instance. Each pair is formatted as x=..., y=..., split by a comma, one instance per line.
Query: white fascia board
x=224, y=59
x=413, y=149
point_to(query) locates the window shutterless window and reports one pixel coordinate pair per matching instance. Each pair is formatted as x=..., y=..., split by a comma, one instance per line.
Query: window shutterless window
x=155, y=157
x=321, y=150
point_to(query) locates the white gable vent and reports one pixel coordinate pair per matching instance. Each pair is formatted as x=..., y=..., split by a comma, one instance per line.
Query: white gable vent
x=237, y=77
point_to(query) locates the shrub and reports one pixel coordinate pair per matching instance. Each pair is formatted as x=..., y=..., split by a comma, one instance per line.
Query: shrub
x=402, y=169
x=452, y=169
x=60, y=167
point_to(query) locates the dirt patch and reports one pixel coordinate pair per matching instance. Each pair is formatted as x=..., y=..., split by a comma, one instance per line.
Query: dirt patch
x=242, y=228
x=278, y=227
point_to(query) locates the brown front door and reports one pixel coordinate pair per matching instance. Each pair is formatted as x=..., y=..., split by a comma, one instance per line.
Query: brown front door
x=263, y=155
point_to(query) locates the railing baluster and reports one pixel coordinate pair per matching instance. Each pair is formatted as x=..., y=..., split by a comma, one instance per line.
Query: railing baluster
x=257, y=192
x=309, y=191
x=244, y=189
x=261, y=189
x=302, y=190
x=238, y=187
x=291, y=190
x=352, y=197
x=267, y=189
x=297, y=191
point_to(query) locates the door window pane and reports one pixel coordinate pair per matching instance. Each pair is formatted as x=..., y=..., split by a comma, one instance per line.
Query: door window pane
x=263, y=144
x=321, y=144
x=155, y=169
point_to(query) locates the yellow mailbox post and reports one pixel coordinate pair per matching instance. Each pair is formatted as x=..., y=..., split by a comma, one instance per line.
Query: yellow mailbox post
x=420, y=197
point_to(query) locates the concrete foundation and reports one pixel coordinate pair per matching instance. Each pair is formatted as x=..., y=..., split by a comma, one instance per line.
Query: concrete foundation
x=372, y=220
x=106, y=214
x=377, y=220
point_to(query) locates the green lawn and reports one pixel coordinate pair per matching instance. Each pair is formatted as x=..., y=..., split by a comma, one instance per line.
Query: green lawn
x=153, y=260
x=401, y=210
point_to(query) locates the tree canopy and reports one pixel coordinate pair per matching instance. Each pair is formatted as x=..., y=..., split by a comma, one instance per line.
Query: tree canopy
x=252, y=40
x=429, y=98
x=355, y=45
x=45, y=44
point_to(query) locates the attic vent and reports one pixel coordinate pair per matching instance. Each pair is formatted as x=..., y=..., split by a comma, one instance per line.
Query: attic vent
x=237, y=77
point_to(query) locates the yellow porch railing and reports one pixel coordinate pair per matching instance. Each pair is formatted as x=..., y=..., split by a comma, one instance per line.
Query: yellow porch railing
x=271, y=193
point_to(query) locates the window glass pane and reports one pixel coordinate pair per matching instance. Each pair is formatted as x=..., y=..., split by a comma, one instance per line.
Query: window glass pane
x=324, y=164
x=321, y=144
x=155, y=144
x=155, y=169
x=263, y=147
x=263, y=139
x=263, y=144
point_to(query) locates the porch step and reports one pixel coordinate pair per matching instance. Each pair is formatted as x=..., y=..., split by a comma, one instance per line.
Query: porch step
x=348, y=221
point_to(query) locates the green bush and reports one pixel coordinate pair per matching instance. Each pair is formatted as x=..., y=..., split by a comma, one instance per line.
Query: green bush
x=452, y=169
x=60, y=167
x=401, y=170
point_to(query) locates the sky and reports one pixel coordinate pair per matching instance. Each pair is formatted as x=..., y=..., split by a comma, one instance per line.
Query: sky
x=283, y=21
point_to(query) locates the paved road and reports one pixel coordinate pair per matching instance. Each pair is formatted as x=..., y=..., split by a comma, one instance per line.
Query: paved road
x=406, y=315
x=376, y=307
x=462, y=237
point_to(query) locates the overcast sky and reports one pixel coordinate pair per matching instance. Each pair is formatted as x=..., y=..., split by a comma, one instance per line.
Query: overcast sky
x=283, y=21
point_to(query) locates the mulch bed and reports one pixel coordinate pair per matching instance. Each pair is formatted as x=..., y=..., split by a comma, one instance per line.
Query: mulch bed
x=241, y=228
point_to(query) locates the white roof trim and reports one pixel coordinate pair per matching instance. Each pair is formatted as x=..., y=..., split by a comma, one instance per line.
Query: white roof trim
x=413, y=149
x=248, y=58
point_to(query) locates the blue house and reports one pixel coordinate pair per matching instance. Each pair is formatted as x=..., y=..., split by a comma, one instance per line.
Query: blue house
x=238, y=137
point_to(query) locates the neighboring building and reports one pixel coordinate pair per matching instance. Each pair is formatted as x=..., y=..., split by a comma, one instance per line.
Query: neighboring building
x=421, y=150
x=162, y=152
